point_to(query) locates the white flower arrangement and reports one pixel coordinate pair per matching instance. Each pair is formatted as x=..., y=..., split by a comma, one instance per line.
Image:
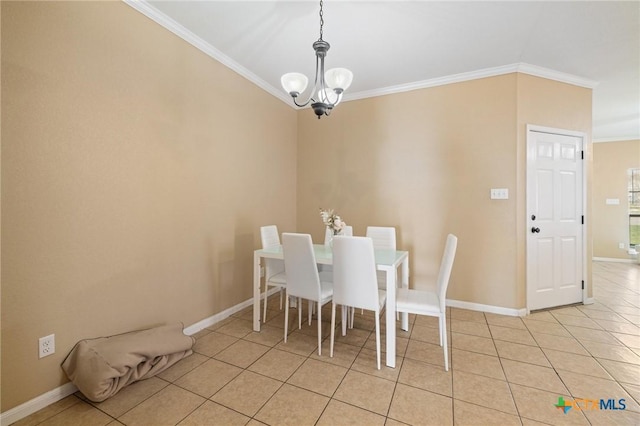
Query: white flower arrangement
x=332, y=221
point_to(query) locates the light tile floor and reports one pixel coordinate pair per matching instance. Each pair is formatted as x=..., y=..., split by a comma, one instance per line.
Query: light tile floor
x=504, y=370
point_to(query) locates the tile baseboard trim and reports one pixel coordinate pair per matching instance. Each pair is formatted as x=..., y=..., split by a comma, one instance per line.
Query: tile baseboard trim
x=37, y=403
x=613, y=259
x=487, y=308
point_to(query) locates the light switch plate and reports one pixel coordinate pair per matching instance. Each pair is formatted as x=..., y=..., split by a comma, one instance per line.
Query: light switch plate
x=499, y=193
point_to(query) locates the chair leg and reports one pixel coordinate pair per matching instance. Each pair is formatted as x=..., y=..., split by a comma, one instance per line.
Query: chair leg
x=299, y=313
x=346, y=316
x=266, y=296
x=281, y=291
x=286, y=318
x=333, y=327
x=440, y=329
x=343, y=324
x=353, y=311
x=311, y=304
x=443, y=320
x=319, y=329
x=378, y=338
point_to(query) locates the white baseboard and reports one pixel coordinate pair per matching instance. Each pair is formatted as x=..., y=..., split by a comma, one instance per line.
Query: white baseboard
x=38, y=403
x=213, y=319
x=55, y=395
x=589, y=301
x=613, y=259
x=487, y=308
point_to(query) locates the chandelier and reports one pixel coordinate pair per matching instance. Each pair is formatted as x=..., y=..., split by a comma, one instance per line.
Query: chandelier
x=328, y=87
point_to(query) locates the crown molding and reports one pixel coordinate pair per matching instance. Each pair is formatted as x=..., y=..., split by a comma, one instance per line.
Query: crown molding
x=146, y=9
x=621, y=139
x=556, y=75
x=434, y=82
x=521, y=67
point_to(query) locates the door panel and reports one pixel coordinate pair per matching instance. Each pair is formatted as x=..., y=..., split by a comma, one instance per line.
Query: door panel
x=554, y=209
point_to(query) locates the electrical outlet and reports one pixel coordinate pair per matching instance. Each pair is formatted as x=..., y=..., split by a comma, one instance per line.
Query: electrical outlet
x=47, y=345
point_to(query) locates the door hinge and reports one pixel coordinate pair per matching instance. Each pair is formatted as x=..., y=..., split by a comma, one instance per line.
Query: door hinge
x=583, y=284
x=582, y=155
x=582, y=220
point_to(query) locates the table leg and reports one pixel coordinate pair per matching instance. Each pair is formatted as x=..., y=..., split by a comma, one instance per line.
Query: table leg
x=405, y=284
x=256, y=292
x=391, y=317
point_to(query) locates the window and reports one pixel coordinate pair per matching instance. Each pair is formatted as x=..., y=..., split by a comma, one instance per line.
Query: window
x=634, y=207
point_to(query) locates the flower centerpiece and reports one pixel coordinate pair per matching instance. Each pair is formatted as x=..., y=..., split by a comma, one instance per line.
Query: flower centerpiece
x=332, y=221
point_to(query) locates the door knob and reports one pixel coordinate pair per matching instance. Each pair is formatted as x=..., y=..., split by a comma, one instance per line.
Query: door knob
x=535, y=230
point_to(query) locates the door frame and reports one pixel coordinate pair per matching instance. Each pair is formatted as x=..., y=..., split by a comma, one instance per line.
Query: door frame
x=564, y=132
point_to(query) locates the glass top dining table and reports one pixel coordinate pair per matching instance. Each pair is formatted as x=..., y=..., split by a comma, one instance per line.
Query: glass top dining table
x=386, y=260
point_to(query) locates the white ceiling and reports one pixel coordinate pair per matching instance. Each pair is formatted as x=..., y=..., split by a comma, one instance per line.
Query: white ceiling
x=400, y=45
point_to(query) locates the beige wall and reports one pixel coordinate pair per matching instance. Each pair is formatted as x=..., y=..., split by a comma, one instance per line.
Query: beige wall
x=136, y=172
x=425, y=161
x=611, y=161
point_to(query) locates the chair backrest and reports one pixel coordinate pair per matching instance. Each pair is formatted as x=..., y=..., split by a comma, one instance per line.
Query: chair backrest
x=354, y=272
x=346, y=231
x=445, y=268
x=384, y=237
x=300, y=266
x=270, y=238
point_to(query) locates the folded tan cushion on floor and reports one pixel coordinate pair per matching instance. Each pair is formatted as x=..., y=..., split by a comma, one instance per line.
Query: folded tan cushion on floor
x=101, y=367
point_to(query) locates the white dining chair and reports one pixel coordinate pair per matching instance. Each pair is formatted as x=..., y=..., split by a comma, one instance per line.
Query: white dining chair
x=354, y=282
x=328, y=235
x=303, y=280
x=274, y=275
x=432, y=303
x=383, y=237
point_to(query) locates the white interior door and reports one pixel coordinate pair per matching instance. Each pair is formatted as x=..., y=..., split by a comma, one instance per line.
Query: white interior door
x=555, y=240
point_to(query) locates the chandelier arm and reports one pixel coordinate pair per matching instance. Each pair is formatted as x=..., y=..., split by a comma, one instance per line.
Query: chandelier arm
x=301, y=105
x=323, y=86
x=313, y=89
x=338, y=100
x=319, y=68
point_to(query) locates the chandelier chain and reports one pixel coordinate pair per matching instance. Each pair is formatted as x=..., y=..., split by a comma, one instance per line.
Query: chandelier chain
x=321, y=20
